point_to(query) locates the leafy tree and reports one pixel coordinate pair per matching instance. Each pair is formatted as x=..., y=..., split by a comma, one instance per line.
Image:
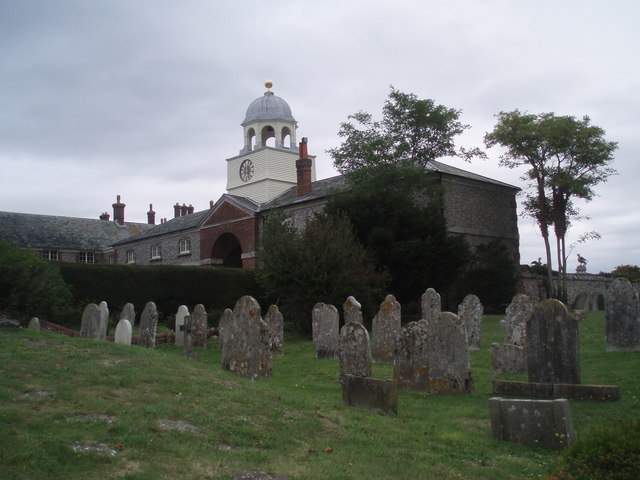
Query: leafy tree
x=31, y=286
x=565, y=157
x=322, y=263
x=630, y=272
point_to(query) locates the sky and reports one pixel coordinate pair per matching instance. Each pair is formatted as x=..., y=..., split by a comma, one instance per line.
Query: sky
x=144, y=98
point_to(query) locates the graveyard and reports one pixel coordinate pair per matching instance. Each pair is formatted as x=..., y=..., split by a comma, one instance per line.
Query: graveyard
x=81, y=408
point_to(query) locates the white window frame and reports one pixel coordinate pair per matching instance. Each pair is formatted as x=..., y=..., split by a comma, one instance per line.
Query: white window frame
x=184, y=246
x=86, y=257
x=131, y=256
x=156, y=252
x=51, y=255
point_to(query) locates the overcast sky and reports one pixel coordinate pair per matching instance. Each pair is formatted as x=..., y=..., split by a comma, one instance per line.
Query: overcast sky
x=144, y=98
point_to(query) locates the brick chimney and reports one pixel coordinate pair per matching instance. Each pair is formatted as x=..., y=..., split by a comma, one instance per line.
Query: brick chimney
x=190, y=209
x=105, y=216
x=184, y=210
x=151, y=215
x=303, y=169
x=118, y=211
x=176, y=210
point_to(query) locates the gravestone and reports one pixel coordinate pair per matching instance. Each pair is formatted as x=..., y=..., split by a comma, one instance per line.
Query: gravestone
x=200, y=326
x=470, y=314
x=275, y=323
x=622, y=317
x=129, y=312
x=371, y=393
x=224, y=327
x=148, y=326
x=448, y=354
x=553, y=354
x=508, y=358
x=90, y=326
x=354, y=351
x=352, y=311
x=542, y=423
x=187, y=338
x=245, y=348
x=431, y=304
x=515, y=322
x=411, y=361
x=34, y=323
x=325, y=323
x=123, y=332
x=385, y=329
x=104, y=320
x=182, y=312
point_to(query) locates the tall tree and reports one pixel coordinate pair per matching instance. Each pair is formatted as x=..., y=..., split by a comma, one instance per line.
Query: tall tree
x=566, y=158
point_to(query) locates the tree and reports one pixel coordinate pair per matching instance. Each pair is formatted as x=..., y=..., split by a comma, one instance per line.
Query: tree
x=566, y=158
x=322, y=263
x=630, y=272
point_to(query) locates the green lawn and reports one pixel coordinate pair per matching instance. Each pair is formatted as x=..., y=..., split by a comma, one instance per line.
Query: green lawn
x=99, y=394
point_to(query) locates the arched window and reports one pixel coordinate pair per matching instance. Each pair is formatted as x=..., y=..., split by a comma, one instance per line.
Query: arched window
x=286, y=137
x=251, y=138
x=268, y=135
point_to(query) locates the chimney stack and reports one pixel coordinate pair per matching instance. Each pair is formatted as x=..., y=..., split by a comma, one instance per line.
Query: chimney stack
x=105, y=216
x=184, y=210
x=151, y=215
x=118, y=211
x=210, y=203
x=190, y=209
x=176, y=210
x=303, y=169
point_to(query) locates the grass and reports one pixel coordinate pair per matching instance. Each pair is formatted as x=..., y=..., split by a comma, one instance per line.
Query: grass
x=293, y=424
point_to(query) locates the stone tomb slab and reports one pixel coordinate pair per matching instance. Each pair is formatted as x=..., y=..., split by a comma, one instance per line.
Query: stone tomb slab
x=371, y=393
x=570, y=391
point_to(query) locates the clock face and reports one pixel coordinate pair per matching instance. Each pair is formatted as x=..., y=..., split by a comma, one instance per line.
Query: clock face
x=246, y=170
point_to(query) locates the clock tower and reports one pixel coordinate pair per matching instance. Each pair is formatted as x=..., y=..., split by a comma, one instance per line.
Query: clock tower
x=266, y=165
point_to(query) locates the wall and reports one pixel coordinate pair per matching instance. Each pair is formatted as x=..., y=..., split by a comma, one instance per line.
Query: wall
x=169, y=245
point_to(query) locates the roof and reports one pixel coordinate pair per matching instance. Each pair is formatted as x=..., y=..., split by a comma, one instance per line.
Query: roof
x=268, y=107
x=176, y=224
x=66, y=233
x=458, y=172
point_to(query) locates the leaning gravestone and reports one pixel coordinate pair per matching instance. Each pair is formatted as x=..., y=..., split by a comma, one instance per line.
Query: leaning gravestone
x=622, y=317
x=200, y=326
x=325, y=322
x=123, y=332
x=470, y=314
x=411, y=361
x=129, y=312
x=352, y=310
x=515, y=322
x=34, y=323
x=90, y=326
x=553, y=344
x=182, y=312
x=431, y=304
x=148, y=326
x=384, y=330
x=245, y=348
x=354, y=351
x=275, y=323
x=104, y=320
x=448, y=353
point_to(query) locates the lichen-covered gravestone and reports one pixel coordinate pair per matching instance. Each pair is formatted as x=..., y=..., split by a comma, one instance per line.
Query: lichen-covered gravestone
x=123, y=332
x=431, y=304
x=448, y=352
x=129, y=312
x=354, y=351
x=384, y=330
x=181, y=314
x=411, y=362
x=200, y=326
x=352, y=310
x=104, y=320
x=515, y=322
x=275, y=323
x=245, y=349
x=553, y=344
x=224, y=327
x=470, y=314
x=90, y=326
x=148, y=326
x=325, y=323
x=622, y=317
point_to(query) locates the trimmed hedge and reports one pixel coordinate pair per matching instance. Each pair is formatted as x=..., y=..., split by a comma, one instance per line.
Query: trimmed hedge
x=167, y=285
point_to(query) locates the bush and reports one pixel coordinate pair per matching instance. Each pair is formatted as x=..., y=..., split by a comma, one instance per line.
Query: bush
x=607, y=452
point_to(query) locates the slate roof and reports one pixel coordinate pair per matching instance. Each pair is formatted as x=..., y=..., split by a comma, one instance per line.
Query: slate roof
x=458, y=172
x=176, y=224
x=65, y=233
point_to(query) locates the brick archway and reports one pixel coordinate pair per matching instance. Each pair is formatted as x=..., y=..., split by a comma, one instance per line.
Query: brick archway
x=227, y=251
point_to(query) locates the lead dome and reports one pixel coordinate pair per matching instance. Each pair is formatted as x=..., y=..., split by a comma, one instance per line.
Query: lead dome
x=268, y=107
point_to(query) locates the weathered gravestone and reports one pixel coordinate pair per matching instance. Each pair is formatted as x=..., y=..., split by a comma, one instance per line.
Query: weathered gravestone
x=148, y=326
x=123, y=332
x=275, y=324
x=411, y=361
x=553, y=344
x=384, y=330
x=622, y=317
x=470, y=314
x=354, y=351
x=104, y=320
x=182, y=312
x=371, y=393
x=431, y=304
x=543, y=423
x=200, y=326
x=448, y=353
x=325, y=323
x=129, y=312
x=508, y=358
x=90, y=326
x=352, y=311
x=224, y=327
x=34, y=323
x=245, y=348
x=511, y=357
x=187, y=338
